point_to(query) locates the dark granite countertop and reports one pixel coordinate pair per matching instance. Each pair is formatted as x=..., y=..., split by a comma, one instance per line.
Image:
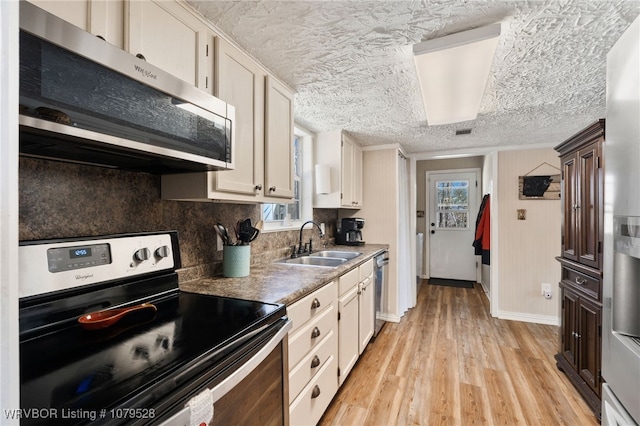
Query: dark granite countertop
x=280, y=283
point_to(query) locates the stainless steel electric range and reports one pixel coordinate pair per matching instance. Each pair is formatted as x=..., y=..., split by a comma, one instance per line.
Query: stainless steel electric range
x=172, y=360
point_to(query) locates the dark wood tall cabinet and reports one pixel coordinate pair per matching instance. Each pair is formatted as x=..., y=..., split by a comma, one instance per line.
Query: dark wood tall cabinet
x=582, y=192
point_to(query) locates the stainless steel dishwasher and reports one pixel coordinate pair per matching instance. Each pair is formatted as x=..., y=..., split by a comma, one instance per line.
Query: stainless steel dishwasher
x=382, y=281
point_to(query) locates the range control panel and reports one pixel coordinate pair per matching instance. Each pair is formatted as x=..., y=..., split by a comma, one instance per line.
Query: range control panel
x=60, y=265
x=68, y=258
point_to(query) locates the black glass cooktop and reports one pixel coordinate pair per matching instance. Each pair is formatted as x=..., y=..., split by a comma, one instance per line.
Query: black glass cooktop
x=135, y=363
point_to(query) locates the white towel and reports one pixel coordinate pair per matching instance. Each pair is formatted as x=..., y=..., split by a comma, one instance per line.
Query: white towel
x=201, y=408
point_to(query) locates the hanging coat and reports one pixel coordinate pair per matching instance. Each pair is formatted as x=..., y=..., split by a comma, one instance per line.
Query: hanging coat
x=482, y=241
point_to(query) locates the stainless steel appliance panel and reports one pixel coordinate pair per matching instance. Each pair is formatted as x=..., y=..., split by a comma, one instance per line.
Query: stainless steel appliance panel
x=84, y=100
x=621, y=353
x=381, y=270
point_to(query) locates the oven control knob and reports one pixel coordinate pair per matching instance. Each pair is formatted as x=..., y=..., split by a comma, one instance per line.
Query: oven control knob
x=142, y=254
x=161, y=252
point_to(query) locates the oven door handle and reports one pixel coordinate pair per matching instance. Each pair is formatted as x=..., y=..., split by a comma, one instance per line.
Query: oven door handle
x=183, y=417
x=240, y=374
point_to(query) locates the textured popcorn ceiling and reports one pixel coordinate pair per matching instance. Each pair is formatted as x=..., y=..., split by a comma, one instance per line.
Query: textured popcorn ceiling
x=351, y=64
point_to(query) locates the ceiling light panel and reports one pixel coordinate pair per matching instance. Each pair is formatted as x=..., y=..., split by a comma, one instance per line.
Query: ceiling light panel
x=453, y=72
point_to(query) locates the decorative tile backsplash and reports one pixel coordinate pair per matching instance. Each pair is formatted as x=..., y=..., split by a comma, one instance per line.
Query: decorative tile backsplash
x=61, y=200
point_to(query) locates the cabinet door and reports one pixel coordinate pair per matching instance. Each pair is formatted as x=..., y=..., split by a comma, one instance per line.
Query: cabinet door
x=569, y=203
x=569, y=327
x=99, y=17
x=348, y=347
x=169, y=37
x=278, y=140
x=589, y=322
x=75, y=12
x=588, y=205
x=240, y=82
x=366, y=312
x=347, y=173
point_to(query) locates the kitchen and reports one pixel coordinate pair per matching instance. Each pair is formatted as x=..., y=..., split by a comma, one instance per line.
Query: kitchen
x=45, y=213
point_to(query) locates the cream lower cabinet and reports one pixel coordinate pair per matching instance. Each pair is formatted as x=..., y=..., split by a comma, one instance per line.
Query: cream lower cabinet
x=331, y=328
x=366, y=305
x=348, y=318
x=356, y=312
x=313, y=355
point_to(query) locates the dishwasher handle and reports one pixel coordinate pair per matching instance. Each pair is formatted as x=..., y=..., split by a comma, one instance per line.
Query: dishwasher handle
x=382, y=260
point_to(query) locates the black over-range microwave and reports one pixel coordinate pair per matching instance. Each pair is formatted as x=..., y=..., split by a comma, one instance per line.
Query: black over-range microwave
x=86, y=101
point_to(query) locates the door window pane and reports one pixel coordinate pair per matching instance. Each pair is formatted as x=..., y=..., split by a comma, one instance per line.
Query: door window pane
x=452, y=208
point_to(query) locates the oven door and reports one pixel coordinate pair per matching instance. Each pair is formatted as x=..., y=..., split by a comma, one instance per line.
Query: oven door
x=253, y=391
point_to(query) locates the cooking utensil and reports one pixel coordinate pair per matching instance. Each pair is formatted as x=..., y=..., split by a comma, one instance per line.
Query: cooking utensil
x=103, y=319
x=255, y=233
x=246, y=232
x=222, y=232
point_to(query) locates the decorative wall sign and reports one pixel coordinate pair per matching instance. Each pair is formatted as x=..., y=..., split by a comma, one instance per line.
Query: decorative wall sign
x=539, y=187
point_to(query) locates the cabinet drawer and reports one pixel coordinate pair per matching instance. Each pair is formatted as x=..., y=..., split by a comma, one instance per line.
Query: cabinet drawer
x=311, y=305
x=311, y=334
x=348, y=281
x=366, y=269
x=311, y=364
x=582, y=283
x=309, y=406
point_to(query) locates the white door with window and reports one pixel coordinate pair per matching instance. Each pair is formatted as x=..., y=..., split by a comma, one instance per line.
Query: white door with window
x=453, y=201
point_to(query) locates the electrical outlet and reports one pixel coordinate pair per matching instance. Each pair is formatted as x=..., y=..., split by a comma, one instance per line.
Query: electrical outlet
x=322, y=228
x=546, y=290
x=219, y=244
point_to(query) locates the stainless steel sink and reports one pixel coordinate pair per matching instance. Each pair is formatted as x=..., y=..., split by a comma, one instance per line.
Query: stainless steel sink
x=336, y=254
x=323, y=262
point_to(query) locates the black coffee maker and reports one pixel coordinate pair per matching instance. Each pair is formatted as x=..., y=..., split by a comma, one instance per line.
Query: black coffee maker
x=349, y=231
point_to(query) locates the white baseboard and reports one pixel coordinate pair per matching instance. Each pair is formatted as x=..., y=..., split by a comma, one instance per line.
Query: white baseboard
x=388, y=317
x=537, y=319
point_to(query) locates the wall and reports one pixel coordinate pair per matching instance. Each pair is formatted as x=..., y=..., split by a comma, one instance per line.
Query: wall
x=422, y=167
x=487, y=188
x=380, y=211
x=527, y=248
x=68, y=200
x=9, y=341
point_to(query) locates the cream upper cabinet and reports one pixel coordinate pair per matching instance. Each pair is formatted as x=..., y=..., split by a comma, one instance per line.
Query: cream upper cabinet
x=241, y=82
x=343, y=156
x=264, y=144
x=278, y=140
x=356, y=178
x=170, y=37
x=103, y=18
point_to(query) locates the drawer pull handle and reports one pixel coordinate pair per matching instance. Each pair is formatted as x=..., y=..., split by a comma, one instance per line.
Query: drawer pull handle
x=315, y=304
x=315, y=333
x=315, y=362
x=316, y=392
x=581, y=281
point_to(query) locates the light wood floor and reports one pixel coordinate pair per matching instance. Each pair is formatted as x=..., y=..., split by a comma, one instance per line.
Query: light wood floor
x=448, y=362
